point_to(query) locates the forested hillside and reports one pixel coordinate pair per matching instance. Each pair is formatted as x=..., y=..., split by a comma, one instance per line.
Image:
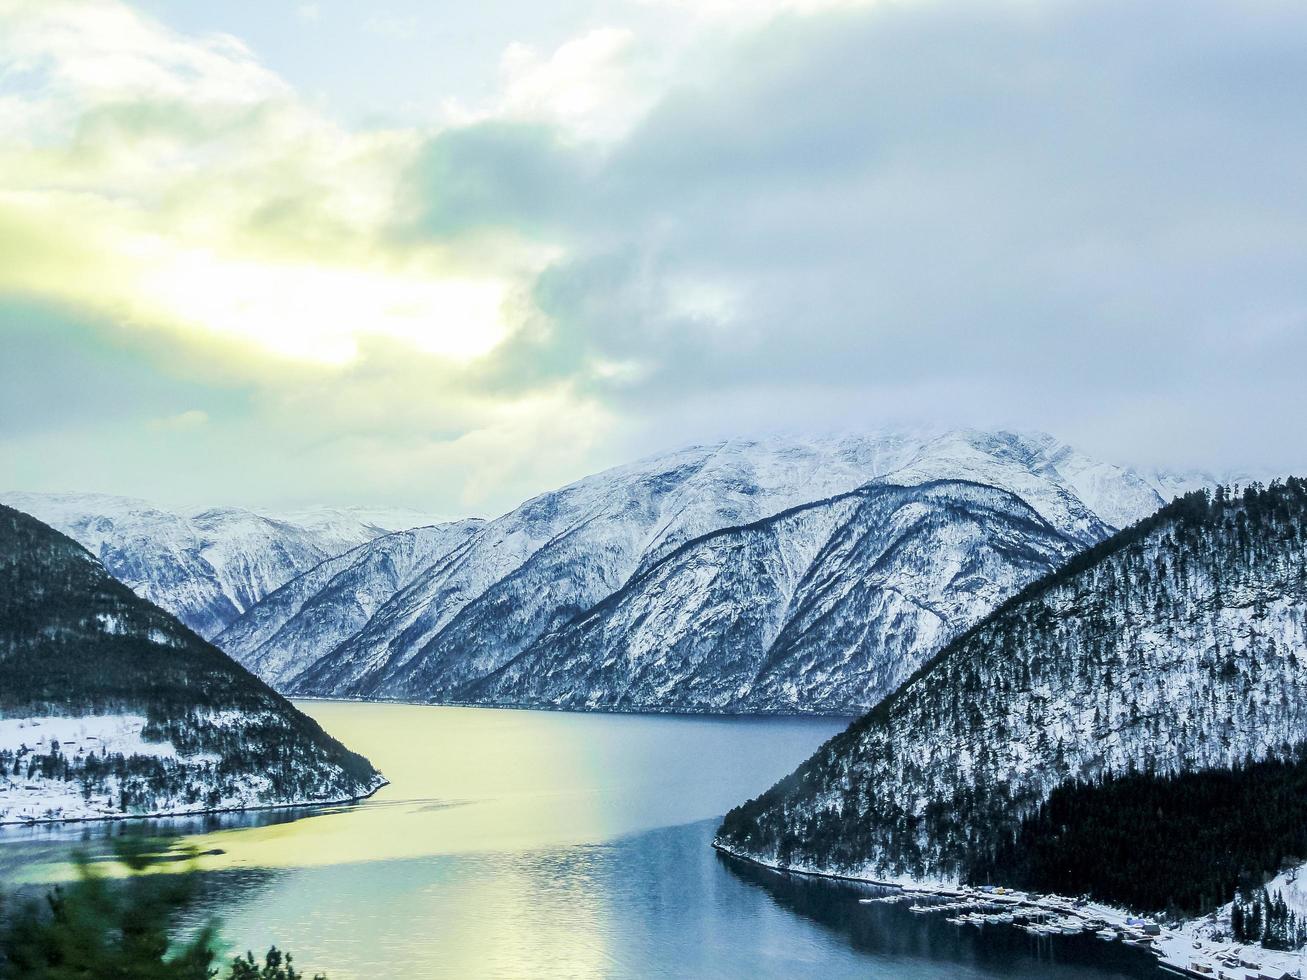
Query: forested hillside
x=109, y=706
x=1182, y=843
x=1176, y=646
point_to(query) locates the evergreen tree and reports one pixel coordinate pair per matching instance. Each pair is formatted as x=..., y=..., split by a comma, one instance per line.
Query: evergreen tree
x=100, y=929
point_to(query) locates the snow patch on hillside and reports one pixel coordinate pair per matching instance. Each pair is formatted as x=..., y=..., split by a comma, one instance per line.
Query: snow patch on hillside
x=27, y=796
x=30, y=796
x=105, y=734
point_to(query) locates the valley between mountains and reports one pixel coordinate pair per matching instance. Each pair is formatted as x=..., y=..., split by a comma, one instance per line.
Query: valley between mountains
x=1050, y=657
x=747, y=576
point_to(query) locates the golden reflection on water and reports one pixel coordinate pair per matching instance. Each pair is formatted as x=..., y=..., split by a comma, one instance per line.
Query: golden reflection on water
x=528, y=798
x=461, y=779
x=496, y=849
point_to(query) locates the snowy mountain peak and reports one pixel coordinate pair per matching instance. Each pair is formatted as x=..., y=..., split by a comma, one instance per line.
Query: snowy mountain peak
x=207, y=567
x=514, y=588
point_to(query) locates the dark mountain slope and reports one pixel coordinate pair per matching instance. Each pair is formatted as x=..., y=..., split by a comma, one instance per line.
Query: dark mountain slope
x=1179, y=645
x=163, y=720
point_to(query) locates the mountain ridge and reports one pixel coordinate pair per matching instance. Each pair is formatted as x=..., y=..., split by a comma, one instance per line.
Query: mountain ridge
x=208, y=566
x=875, y=514
x=529, y=573
x=111, y=707
x=1188, y=623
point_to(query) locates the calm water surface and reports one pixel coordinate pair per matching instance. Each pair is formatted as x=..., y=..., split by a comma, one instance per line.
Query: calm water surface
x=539, y=844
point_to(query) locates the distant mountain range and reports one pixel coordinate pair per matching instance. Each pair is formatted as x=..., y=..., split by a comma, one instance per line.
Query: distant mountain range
x=1132, y=725
x=110, y=707
x=795, y=575
x=776, y=575
x=326, y=606
x=825, y=607
x=208, y=567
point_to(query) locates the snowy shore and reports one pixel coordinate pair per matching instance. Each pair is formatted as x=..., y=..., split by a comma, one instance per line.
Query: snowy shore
x=1187, y=950
x=27, y=796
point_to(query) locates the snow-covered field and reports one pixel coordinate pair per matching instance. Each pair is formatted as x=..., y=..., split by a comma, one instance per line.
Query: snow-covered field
x=25, y=798
x=105, y=734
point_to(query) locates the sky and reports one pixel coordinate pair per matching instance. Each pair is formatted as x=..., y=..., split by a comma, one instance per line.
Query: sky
x=446, y=256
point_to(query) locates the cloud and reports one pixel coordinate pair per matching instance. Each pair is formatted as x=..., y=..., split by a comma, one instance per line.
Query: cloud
x=1081, y=216
x=87, y=405
x=101, y=51
x=588, y=85
x=392, y=26
x=185, y=421
x=996, y=212
x=193, y=190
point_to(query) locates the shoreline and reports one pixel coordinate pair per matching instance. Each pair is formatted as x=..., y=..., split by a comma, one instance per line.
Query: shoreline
x=208, y=811
x=1177, y=950
x=610, y=710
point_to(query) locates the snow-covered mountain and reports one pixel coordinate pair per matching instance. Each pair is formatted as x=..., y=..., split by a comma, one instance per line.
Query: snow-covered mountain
x=557, y=554
x=110, y=707
x=1157, y=677
x=822, y=608
x=529, y=584
x=330, y=603
x=208, y=567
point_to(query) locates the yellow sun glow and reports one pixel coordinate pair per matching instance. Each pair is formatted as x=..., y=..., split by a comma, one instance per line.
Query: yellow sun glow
x=319, y=313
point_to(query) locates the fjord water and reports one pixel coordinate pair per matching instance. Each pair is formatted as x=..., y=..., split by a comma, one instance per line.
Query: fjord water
x=538, y=844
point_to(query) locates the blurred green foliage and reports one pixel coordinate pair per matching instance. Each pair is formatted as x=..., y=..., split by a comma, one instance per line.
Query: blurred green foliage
x=105, y=928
